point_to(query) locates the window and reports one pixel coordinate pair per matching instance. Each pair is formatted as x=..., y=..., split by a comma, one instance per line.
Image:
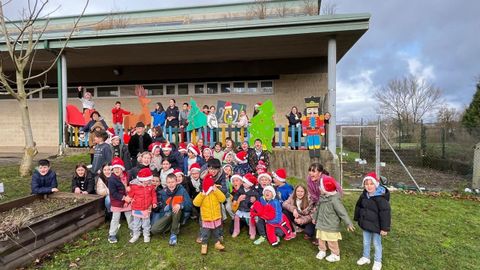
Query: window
x=50, y=93
x=183, y=89
x=199, y=89
x=226, y=88
x=154, y=90
x=212, y=88
x=252, y=87
x=239, y=87
x=267, y=87
x=127, y=90
x=170, y=89
x=5, y=95
x=107, y=91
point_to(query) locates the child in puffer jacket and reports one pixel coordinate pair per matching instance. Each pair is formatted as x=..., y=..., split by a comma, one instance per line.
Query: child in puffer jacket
x=373, y=214
x=144, y=197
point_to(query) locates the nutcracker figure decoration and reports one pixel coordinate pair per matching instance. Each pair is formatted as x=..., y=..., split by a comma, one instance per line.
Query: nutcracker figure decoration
x=313, y=125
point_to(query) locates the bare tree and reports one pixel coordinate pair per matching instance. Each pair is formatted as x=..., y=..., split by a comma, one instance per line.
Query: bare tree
x=329, y=8
x=447, y=117
x=258, y=10
x=408, y=100
x=21, y=39
x=310, y=7
x=282, y=9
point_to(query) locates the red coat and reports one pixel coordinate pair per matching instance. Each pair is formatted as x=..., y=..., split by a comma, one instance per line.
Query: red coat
x=143, y=197
x=117, y=115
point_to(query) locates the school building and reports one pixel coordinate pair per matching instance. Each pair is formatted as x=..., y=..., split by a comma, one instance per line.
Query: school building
x=243, y=53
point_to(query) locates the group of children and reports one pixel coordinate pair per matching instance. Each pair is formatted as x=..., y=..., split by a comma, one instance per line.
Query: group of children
x=209, y=194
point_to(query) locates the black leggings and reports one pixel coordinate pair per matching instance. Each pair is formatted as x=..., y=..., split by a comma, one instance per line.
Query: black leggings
x=308, y=228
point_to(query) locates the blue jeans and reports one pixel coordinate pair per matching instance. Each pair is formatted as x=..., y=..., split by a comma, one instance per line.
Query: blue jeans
x=107, y=203
x=118, y=130
x=377, y=243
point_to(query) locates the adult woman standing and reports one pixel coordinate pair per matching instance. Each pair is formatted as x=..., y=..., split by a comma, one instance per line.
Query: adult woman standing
x=172, y=114
x=294, y=124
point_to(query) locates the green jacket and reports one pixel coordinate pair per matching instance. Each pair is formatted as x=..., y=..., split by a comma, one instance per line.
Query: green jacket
x=330, y=211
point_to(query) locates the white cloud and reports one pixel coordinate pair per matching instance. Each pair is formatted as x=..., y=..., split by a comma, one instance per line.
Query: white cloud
x=423, y=72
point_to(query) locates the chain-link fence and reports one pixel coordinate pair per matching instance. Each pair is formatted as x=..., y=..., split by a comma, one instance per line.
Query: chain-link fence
x=436, y=157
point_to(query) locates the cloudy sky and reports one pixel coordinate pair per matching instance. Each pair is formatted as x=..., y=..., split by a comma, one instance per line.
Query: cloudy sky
x=436, y=40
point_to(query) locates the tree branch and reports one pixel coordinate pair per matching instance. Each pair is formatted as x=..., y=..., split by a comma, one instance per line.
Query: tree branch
x=38, y=90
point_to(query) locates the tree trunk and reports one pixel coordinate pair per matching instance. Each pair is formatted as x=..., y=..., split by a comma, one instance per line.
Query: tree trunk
x=30, y=150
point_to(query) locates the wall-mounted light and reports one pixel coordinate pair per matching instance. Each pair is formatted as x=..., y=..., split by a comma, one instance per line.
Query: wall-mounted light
x=117, y=71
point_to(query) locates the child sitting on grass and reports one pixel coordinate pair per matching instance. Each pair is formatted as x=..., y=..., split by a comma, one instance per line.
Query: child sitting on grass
x=119, y=199
x=243, y=201
x=144, y=197
x=373, y=214
x=44, y=180
x=209, y=201
x=330, y=211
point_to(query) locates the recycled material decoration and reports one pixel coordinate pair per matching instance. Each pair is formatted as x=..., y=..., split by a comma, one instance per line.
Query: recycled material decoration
x=196, y=118
x=263, y=125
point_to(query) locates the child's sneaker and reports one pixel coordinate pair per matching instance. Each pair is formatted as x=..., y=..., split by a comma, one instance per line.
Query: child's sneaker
x=219, y=246
x=146, y=238
x=276, y=243
x=377, y=266
x=134, y=238
x=235, y=234
x=260, y=240
x=333, y=258
x=363, y=261
x=204, y=249
x=321, y=254
x=112, y=239
x=290, y=236
x=173, y=240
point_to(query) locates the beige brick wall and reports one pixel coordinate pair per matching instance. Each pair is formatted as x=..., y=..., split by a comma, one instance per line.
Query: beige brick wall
x=289, y=90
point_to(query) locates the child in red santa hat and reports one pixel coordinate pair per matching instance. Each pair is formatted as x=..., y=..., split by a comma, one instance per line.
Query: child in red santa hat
x=243, y=201
x=330, y=211
x=144, y=197
x=209, y=201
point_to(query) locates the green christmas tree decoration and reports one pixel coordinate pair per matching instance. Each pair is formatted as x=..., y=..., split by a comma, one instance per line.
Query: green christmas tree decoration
x=263, y=125
x=196, y=118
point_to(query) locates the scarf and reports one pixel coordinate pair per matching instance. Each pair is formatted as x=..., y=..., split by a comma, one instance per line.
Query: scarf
x=313, y=189
x=196, y=184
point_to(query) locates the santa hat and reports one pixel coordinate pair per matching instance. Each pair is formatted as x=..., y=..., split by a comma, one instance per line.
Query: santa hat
x=373, y=177
x=152, y=147
x=229, y=153
x=182, y=147
x=280, y=175
x=328, y=185
x=271, y=189
x=177, y=172
x=195, y=167
x=118, y=163
x=258, y=104
x=264, y=174
x=261, y=171
x=249, y=179
x=261, y=165
x=166, y=147
x=236, y=176
x=208, y=149
x=207, y=184
x=227, y=165
x=241, y=157
x=111, y=132
x=228, y=105
x=194, y=149
x=144, y=174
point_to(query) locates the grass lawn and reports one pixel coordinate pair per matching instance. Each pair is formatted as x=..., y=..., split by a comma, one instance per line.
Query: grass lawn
x=427, y=233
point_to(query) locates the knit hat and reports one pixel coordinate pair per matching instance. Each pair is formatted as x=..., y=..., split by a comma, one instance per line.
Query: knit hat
x=280, y=175
x=228, y=105
x=118, y=163
x=144, y=174
x=371, y=176
x=271, y=189
x=236, y=176
x=140, y=124
x=241, y=157
x=207, y=184
x=177, y=172
x=166, y=147
x=265, y=174
x=194, y=149
x=250, y=179
x=328, y=185
x=182, y=147
x=195, y=167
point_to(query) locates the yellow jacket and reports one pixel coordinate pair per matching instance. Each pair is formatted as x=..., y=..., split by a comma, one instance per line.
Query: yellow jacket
x=210, y=204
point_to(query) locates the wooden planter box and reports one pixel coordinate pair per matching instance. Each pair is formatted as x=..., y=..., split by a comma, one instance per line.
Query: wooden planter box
x=45, y=235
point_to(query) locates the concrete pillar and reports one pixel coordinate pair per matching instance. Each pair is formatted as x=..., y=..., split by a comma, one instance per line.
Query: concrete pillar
x=332, y=95
x=476, y=168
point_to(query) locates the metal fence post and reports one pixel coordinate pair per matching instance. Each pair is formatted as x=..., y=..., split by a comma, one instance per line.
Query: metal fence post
x=377, y=149
x=476, y=168
x=443, y=143
x=423, y=140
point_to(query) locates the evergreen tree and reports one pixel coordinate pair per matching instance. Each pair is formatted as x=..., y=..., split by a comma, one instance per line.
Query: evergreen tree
x=471, y=117
x=263, y=125
x=196, y=118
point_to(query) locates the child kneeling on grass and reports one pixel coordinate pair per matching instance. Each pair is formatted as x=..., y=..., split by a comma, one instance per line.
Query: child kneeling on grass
x=272, y=223
x=174, y=199
x=373, y=214
x=119, y=200
x=330, y=211
x=209, y=201
x=144, y=197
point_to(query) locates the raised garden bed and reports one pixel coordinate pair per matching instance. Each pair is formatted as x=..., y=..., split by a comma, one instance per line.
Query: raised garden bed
x=36, y=224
